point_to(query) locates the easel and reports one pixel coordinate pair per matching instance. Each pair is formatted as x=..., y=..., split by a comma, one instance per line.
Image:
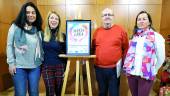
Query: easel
x=78, y=74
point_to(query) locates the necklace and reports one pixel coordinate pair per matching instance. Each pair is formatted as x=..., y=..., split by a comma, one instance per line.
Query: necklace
x=27, y=27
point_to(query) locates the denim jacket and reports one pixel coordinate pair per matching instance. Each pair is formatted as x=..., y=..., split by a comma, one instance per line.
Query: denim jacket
x=17, y=58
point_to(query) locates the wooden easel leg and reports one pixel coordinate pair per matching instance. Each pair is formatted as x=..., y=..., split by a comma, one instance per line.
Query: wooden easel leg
x=81, y=80
x=88, y=78
x=65, y=78
x=77, y=77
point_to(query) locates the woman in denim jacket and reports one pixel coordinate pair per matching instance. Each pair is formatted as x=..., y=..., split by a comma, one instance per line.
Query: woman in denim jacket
x=24, y=50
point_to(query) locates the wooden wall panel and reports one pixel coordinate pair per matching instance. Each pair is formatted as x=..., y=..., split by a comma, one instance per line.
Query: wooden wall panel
x=81, y=1
x=3, y=37
x=125, y=10
x=106, y=2
x=0, y=37
x=165, y=23
x=145, y=2
x=9, y=10
x=51, y=2
x=110, y=2
x=82, y=12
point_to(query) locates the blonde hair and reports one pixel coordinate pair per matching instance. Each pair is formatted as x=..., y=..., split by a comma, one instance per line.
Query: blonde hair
x=47, y=31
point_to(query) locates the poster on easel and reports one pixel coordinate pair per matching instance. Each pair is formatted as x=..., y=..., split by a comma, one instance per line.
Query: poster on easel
x=78, y=37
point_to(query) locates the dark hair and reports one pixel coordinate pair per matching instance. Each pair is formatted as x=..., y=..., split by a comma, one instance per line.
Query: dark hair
x=22, y=18
x=150, y=20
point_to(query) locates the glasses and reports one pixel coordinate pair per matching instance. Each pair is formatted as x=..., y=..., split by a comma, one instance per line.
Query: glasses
x=107, y=14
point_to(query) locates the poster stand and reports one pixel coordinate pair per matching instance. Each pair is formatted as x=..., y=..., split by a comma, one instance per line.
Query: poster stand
x=79, y=75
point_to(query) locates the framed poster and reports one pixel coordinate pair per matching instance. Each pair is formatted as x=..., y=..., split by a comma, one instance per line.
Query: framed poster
x=78, y=37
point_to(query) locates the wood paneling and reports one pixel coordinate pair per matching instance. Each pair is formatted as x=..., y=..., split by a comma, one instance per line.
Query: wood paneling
x=129, y=2
x=3, y=37
x=9, y=10
x=59, y=2
x=50, y=2
x=165, y=23
x=125, y=10
x=81, y=2
x=82, y=12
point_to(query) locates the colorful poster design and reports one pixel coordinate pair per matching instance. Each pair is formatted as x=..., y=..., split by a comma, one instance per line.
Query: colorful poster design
x=78, y=37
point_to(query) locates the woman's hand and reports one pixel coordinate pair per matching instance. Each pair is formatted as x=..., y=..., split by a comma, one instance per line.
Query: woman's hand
x=12, y=70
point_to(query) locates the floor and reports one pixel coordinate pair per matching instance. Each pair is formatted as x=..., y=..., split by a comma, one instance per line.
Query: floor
x=10, y=91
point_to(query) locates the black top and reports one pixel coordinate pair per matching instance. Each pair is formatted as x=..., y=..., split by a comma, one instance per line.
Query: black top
x=51, y=51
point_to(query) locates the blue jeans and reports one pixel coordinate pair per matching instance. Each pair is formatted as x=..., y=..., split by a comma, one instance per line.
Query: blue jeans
x=107, y=81
x=26, y=79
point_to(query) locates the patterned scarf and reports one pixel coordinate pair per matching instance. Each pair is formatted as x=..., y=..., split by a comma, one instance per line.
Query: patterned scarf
x=148, y=59
x=20, y=41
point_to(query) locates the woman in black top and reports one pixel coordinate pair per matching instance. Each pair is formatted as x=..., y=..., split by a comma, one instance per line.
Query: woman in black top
x=53, y=66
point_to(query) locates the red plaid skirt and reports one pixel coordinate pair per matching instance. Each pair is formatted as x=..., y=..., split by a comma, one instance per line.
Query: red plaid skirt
x=53, y=78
